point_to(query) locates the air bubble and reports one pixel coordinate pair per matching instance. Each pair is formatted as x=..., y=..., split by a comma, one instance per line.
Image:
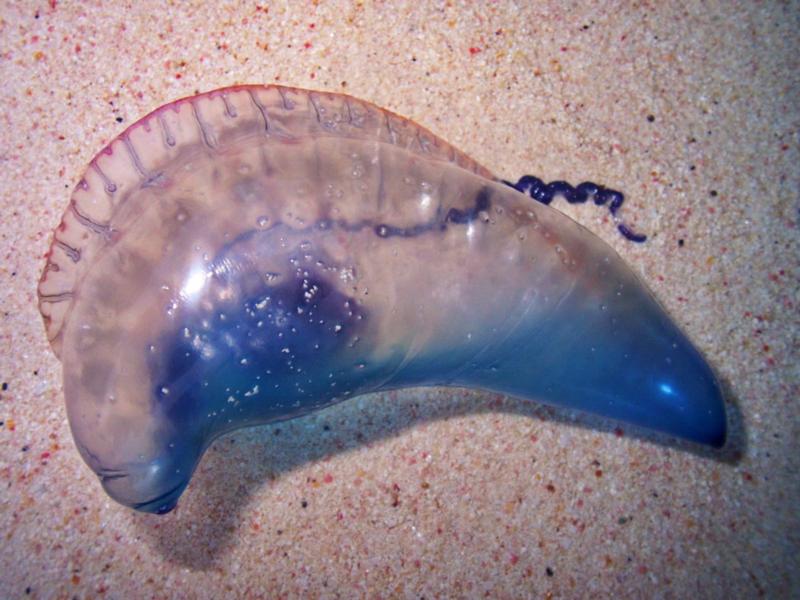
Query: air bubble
x=262, y=221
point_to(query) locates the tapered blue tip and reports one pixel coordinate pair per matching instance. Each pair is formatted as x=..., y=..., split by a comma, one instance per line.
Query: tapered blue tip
x=685, y=397
x=625, y=359
x=648, y=373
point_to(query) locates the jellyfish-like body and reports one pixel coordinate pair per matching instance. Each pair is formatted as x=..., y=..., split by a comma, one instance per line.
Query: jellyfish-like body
x=256, y=253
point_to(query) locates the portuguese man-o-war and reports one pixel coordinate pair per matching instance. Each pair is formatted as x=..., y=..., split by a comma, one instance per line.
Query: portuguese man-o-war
x=256, y=253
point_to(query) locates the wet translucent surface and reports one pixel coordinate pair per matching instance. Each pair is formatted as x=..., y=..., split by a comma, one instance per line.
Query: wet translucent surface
x=259, y=253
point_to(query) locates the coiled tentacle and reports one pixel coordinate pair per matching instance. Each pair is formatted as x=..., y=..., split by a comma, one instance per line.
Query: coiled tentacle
x=546, y=192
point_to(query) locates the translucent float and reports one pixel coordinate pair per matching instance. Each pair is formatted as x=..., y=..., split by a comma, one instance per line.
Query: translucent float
x=256, y=253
